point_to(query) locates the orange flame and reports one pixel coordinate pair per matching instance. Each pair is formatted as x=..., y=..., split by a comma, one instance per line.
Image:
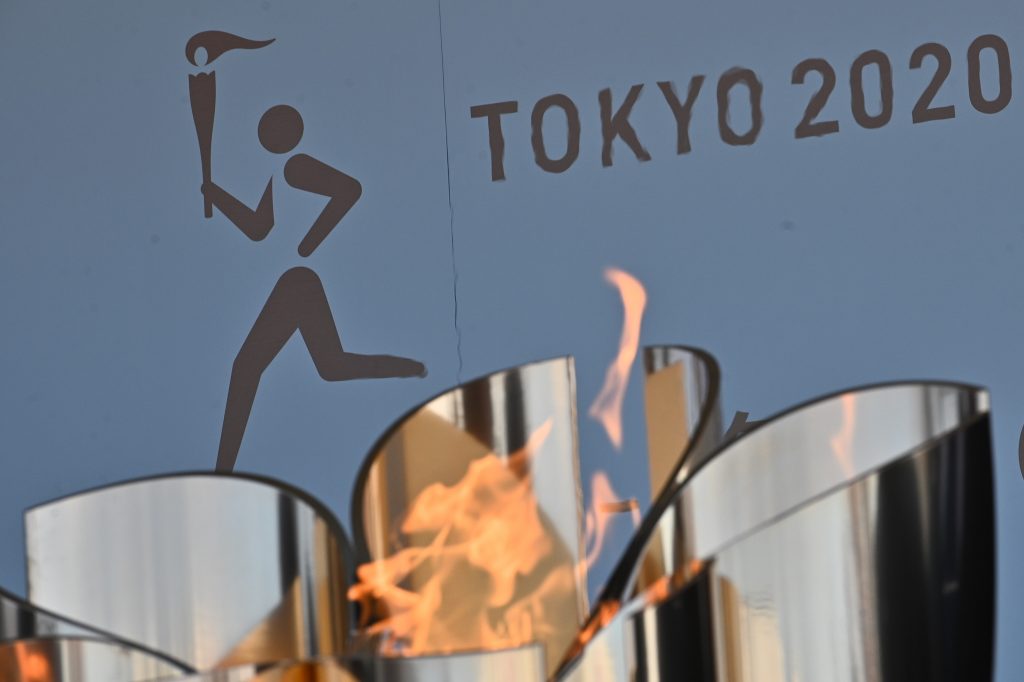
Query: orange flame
x=33, y=667
x=604, y=503
x=662, y=588
x=605, y=612
x=607, y=407
x=488, y=577
x=842, y=442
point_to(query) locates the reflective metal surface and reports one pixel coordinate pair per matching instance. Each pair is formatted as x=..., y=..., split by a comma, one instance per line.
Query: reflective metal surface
x=668, y=641
x=42, y=635
x=847, y=539
x=214, y=570
x=684, y=418
x=68, y=659
x=890, y=578
x=523, y=421
x=675, y=639
x=790, y=459
x=525, y=664
x=684, y=425
x=812, y=450
x=21, y=620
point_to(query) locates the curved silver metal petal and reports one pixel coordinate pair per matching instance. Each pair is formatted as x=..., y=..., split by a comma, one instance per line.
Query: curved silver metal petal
x=502, y=447
x=787, y=520
x=76, y=659
x=671, y=640
x=682, y=393
x=215, y=570
x=524, y=664
x=684, y=428
x=890, y=577
x=812, y=450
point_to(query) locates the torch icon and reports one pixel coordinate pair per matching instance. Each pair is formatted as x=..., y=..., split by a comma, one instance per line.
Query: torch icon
x=202, y=90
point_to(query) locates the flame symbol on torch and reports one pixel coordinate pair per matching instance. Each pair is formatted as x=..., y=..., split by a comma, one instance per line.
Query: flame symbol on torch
x=607, y=407
x=217, y=43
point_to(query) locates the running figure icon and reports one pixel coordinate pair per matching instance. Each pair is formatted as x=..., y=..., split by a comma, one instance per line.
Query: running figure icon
x=298, y=301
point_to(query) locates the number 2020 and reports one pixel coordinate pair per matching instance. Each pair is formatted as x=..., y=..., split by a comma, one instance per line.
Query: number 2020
x=923, y=109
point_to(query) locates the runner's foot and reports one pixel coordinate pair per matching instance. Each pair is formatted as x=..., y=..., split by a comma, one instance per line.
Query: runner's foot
x=356, y=366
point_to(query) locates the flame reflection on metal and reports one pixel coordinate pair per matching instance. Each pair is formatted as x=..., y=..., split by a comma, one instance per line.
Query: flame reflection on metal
x=72, y=659
x=213, y=570
x=524, y=664
x=436, y=444
x=824, y=541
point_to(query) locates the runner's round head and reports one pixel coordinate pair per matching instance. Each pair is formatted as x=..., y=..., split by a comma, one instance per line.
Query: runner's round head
x=280, y=129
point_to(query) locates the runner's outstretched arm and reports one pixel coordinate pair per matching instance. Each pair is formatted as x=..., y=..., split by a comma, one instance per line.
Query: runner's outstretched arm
x=254, y=224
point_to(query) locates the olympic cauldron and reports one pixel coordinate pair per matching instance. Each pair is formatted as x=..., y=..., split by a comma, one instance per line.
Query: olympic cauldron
x=849, y=538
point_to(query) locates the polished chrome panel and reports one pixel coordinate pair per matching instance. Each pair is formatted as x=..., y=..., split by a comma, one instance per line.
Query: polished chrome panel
x=433, y=447
x=684, y=417
x=214, y=570
x=812, y=450
x=21, y=620
x=664, y=642
x=72, y=659
x=889, y=578
x=787, y=461
x=781, y=481
x=525, y=664
x=684, y=426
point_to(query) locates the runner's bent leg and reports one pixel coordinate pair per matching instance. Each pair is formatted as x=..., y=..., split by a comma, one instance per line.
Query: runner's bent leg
x=273, y=327
x=298, y=302
x=333, y=363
